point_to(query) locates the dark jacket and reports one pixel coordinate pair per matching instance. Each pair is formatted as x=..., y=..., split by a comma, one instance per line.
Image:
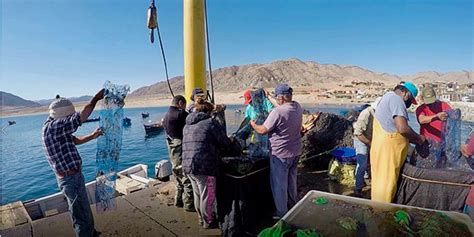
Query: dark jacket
x=174, y=122
x=202, y=140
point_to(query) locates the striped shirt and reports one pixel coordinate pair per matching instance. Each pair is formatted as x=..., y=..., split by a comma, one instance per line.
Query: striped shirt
x=58, y=143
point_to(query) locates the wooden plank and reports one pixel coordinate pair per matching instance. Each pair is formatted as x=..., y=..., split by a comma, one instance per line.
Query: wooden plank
x=126, y=185
x=13, y=214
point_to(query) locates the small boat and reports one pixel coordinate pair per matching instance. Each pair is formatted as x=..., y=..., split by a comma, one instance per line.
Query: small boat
x=238, y=111
x=153, y=128
x=127, y=122
x=145, y=115
x=92, y=120
x=10, y=123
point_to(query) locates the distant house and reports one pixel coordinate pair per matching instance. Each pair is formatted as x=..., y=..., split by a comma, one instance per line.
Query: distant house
x=450, y=97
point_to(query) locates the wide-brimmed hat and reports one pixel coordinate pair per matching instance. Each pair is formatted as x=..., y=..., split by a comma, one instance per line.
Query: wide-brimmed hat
x=429, y=95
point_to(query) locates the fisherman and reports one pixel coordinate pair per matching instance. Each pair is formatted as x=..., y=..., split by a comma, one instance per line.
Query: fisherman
x=467, y=150
x=174, y=122
x=283, y=125
x=390, y=140
x=362, y=139
x=197, y=93
x=432, y=115
x=59, y=145
x=203, y=139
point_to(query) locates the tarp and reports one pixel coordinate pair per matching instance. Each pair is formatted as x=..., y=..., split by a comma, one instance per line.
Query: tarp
x=438, y=189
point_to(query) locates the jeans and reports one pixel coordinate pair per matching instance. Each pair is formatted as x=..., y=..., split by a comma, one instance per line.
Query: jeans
x=184, y=189
x=74, y=188
x=204, y=188
x=361, y=168
x=283, y=174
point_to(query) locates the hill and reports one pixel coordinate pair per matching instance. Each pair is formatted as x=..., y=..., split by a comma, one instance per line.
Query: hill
x=10, y=100
x=298, y=74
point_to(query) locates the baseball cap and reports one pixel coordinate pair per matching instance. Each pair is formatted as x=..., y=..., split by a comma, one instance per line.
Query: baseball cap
x=429, y=95
x=283, y=89
x=412, y=89
x=198, y=91
x=247, y=97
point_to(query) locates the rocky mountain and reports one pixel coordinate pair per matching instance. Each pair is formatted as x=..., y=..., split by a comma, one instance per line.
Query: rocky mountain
x=84, y=98
x=10, y=100
x=298, y=74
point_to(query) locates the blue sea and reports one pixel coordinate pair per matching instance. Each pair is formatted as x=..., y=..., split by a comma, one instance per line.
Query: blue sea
x=25, y=174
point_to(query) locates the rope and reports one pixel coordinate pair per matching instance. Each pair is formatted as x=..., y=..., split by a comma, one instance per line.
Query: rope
x=164, y=60
x=435, y=182
x=246, y=175
x=152, y=3
x=319, y=154
x=208, y=52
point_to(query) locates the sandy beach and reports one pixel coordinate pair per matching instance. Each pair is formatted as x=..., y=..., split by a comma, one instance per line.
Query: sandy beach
x=467, y=108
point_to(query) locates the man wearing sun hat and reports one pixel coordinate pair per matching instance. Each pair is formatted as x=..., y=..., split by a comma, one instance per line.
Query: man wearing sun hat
x=391, y=137
x=432, y=115
x=59, y=145
x=283, y=125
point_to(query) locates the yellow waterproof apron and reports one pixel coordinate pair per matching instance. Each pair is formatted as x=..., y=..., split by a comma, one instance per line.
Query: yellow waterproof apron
x=387, y=155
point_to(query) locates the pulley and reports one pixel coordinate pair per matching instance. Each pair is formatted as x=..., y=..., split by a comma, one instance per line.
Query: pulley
x=152, y=21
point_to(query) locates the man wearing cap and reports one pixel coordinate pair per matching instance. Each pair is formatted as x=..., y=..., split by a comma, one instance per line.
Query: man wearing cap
x=362, y=139
x=432, y=115
x=197, y=92
x=390, y=140
x=59, y=145
x=283, y=125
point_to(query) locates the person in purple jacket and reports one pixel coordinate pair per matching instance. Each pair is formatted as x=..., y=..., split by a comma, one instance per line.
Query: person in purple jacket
x=283, y=125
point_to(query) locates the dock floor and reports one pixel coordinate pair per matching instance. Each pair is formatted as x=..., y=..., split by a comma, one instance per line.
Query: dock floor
x=151, y=212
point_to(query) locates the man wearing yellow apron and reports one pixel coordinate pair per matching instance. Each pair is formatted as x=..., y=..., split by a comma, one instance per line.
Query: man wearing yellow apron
x=390, y=140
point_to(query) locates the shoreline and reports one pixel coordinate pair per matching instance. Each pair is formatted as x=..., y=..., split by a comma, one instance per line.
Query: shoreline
x=231, y=98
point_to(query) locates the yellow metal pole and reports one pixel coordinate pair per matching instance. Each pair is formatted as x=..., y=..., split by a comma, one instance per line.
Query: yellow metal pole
x=194, y=46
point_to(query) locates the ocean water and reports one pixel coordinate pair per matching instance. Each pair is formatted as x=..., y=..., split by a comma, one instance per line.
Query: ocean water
x=25, y=173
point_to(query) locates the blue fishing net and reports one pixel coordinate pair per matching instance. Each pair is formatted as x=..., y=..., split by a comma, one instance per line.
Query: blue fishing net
x=259, y=146
x=446, y=154
x=109, y=144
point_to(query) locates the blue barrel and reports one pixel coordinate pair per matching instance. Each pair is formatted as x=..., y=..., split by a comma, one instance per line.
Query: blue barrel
x=345, y=155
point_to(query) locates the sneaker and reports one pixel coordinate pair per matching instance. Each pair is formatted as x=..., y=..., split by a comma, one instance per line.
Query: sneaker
x=213, y=225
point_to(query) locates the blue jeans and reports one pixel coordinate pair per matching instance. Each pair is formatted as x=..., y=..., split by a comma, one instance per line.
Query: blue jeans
x=361, y=168
x=283, y=174
x=74, y=188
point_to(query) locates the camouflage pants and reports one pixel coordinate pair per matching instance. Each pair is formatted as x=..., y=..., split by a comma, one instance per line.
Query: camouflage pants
x=184, y=189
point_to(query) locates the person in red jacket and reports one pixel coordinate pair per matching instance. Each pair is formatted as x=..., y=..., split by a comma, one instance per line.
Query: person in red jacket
x=467, y=150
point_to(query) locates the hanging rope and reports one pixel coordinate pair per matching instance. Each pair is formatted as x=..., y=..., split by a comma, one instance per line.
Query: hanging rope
x=164, y=60
x=152, y=24
x=208, y=52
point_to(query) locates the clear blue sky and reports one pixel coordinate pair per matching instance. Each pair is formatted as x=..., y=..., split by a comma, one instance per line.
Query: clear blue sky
x=72, y=47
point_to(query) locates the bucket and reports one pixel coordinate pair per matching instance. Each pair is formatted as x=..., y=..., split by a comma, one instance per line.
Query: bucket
x=345, y=155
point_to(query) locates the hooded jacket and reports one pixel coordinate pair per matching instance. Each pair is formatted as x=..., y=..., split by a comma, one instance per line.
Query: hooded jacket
x=202, y=139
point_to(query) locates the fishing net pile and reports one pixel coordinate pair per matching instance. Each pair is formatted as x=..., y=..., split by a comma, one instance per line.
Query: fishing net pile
x=329, y=131
x=446, y=154
x=109, y=144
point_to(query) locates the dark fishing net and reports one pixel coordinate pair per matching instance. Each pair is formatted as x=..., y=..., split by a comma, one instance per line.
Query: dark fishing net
x=446, y=154
x=109, y=144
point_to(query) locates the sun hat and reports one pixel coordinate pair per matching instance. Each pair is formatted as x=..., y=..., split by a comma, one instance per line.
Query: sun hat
x=429, y=95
